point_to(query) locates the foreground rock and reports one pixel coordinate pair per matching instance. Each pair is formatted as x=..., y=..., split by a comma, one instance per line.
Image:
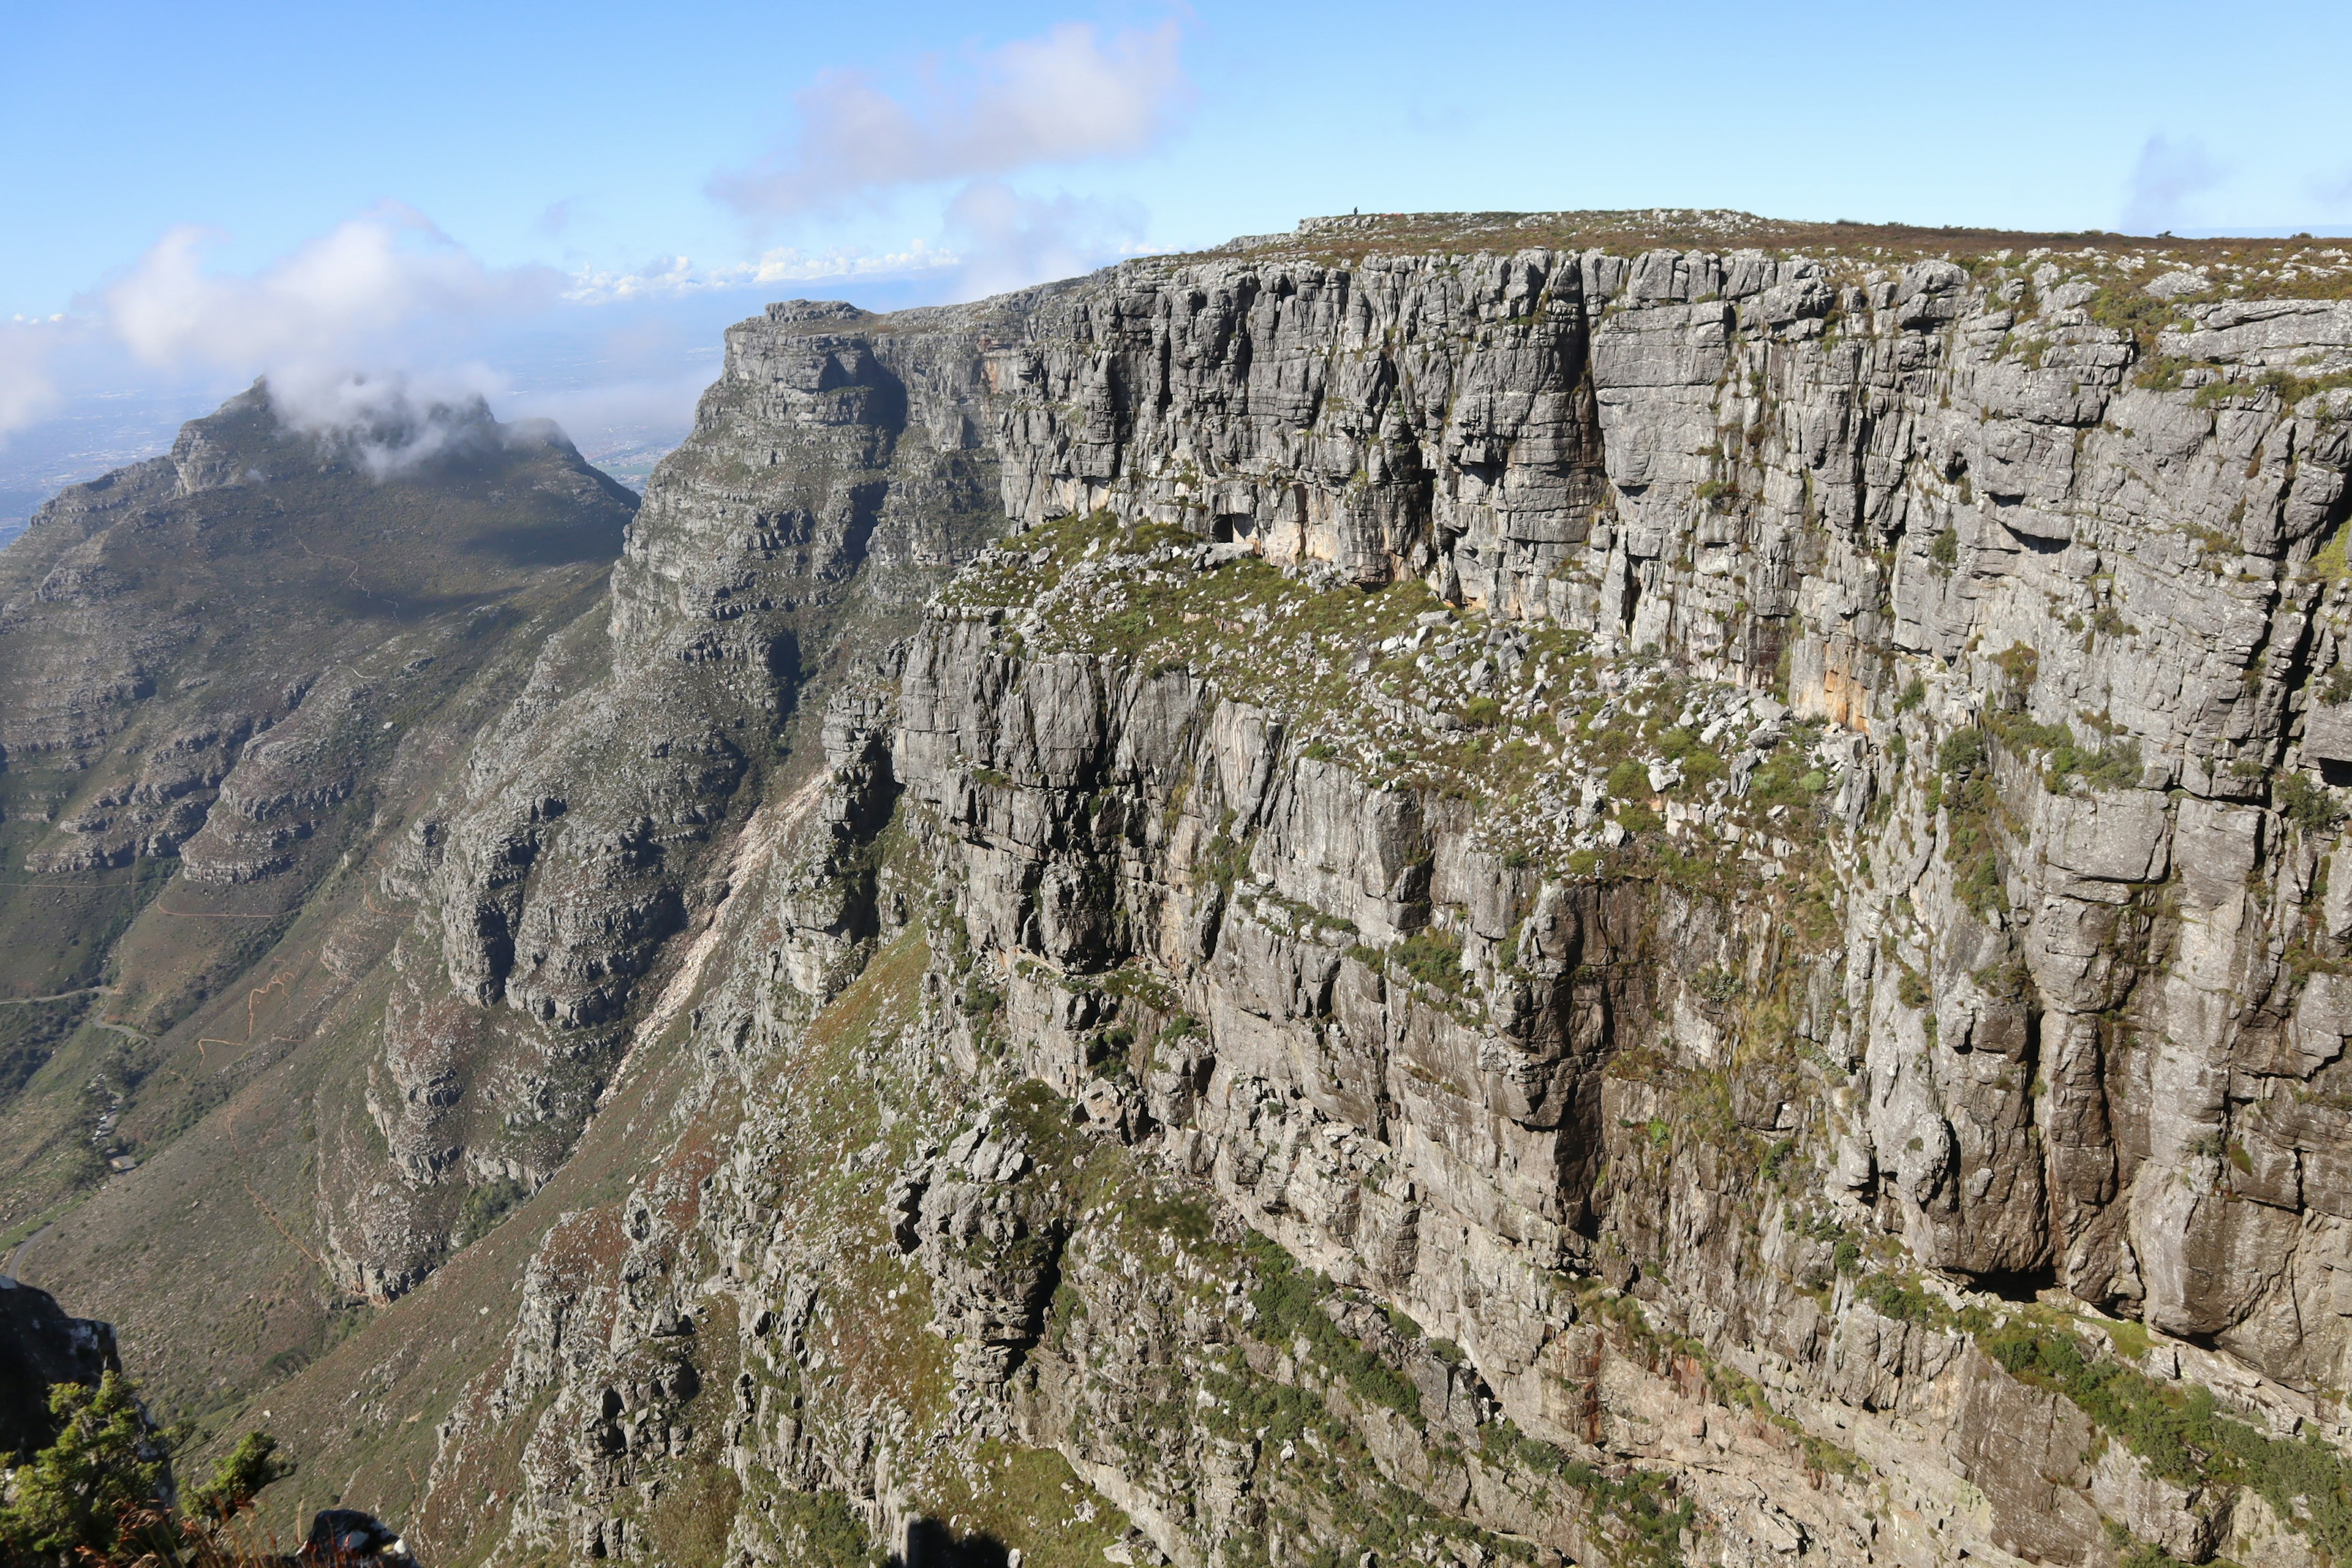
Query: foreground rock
x=40, y=1346
x=345, y=1535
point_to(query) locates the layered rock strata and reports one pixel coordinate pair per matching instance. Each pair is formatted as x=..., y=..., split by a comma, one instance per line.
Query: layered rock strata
x=828, y=486
x=1958, y=932
x=1546, y=903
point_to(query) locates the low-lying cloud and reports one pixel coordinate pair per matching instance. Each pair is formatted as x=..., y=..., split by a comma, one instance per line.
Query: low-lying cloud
x=1066, y=97
x=389, y=423
x=27, y=388
x=384, y=306
x=1012, y=240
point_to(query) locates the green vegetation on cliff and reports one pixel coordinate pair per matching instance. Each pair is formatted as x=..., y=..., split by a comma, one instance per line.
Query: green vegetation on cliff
x=2183, y=1433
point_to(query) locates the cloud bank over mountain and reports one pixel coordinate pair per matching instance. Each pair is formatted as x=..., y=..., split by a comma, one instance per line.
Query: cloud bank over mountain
x=386, y=308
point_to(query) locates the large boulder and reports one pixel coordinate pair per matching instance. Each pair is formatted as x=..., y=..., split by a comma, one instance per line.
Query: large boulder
x=40, y=1346
x=346, y=1535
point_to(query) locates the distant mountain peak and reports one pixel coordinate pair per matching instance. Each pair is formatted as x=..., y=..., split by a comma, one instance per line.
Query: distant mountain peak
x=380, y=428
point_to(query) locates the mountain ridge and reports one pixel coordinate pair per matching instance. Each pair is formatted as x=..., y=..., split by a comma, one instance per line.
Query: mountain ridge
x=1547, y=904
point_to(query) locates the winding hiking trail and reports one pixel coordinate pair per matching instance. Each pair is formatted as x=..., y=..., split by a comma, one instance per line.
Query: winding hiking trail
x=60, y=996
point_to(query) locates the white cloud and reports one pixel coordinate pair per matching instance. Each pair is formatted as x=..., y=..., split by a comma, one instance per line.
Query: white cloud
x=678, y=275
x=366, y=329
x=28, y=388
x=2163, y=181
x=391, y=421
x=1062, y=98
x=1012, y=240
x=384, y=290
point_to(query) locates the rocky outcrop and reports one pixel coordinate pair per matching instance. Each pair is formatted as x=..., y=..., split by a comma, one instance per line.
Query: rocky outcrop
x=1548, y=901
x=41, y=1346
x=1957, y=916
x=831, y=483
x=347, y=1535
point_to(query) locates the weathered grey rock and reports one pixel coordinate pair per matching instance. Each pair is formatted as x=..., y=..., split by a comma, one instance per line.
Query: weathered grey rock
x=1716, y=1166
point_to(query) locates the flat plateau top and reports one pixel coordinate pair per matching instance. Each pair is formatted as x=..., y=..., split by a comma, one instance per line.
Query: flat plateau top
x=2303, y=266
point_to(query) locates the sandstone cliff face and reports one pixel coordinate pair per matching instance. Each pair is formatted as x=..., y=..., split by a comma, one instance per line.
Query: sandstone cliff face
x=1683, y=832
x=1547, y=902
x=822, y=496
x=1912, y=476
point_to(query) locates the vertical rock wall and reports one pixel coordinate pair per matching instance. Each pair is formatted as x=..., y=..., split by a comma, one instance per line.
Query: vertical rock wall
x=1707, y=1138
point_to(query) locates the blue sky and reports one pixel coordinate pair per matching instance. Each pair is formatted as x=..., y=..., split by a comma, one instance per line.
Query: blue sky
x=560, y=205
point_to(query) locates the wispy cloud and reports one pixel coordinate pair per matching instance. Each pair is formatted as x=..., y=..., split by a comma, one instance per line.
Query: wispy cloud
x=365, y=330
x=28, y=389
x=2166, y=176
x=1063, y=98
x=1012, y=240
x=678, y=275
x=385, y=290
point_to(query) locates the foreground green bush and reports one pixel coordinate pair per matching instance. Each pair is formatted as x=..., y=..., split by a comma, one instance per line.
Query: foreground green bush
x=100, y=1493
